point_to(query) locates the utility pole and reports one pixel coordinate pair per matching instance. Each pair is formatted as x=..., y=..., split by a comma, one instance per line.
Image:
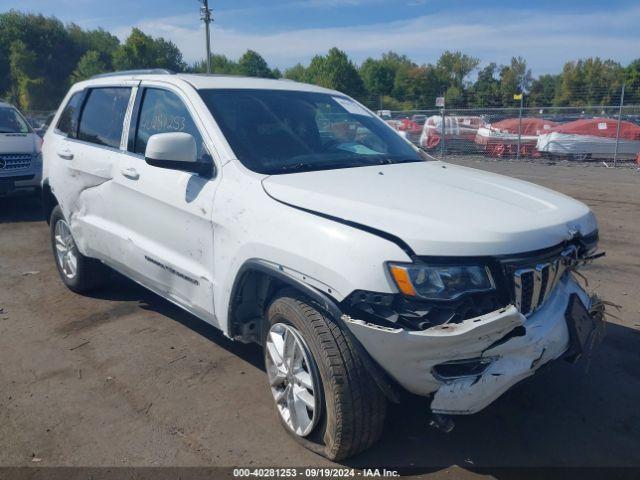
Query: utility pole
x=205, y=16
x=521, y=98
x=615, y=152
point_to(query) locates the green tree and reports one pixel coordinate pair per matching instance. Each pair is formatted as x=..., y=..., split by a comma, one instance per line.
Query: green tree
x=590, y=82
x=89, y=65
x=30, y=90
x=219, y=64
x=143, y=51
x=396, y=61
x=514, y=78
x=544, y=90
x=336, y=71
x=251, y=64
x=50, y=48
x=485, y=92
x=391, y=103
x=632, y=80
x=419, y=86
x=378, y=76
x=456, y=66
x=571, y=85
x=296, y=73
x=99, y=40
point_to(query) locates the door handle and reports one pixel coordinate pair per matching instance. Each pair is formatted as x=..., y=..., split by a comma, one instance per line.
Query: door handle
x=130, y=173
x=65, y=154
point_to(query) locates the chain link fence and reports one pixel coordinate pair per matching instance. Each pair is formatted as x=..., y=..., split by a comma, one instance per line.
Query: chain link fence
x=609, y=134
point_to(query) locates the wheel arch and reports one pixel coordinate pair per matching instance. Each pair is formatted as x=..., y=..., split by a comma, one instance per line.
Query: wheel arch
x=256, y=282
x=49, y=200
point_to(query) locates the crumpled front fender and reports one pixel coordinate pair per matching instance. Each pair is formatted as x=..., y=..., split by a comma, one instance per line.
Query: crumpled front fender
x=409, y=356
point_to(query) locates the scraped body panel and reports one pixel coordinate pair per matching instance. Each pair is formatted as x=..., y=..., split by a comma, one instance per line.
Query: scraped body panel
x=409, y=356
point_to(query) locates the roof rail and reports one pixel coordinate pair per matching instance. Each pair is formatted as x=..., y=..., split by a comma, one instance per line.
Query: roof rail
x=144, y=71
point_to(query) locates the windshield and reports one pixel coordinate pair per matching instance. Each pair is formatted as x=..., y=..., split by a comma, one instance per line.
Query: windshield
x=12, y=122
x=283, y=131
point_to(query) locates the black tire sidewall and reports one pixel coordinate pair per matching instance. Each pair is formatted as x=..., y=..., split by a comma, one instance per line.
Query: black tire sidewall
x=87, y=271
x=284, y=310
x=56, y=216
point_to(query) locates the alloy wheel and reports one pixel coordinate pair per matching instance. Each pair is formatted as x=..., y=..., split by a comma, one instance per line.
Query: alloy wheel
x=292, y=377
x=66, y=250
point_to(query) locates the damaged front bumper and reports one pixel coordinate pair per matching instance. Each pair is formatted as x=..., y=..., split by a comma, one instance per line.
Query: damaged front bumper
x=503, y=347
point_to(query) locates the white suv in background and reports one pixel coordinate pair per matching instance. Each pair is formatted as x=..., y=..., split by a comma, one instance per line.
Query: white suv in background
x=290, y=215
x=20, y=157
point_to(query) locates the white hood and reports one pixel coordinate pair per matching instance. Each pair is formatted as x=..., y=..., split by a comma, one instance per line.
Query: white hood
x=19, y=143
x=439, y=208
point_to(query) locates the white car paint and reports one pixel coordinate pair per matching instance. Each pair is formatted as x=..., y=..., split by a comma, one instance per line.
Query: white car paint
x=465, y=211
x=187, y=237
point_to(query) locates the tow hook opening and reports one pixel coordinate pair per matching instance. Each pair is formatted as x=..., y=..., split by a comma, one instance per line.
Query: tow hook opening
x=443, y=423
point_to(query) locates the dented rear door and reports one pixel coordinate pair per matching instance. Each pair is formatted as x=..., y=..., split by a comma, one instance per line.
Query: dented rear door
x=85, y=162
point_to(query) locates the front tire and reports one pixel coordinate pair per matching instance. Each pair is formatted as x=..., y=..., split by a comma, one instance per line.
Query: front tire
x=79, y=273
x=325, y=381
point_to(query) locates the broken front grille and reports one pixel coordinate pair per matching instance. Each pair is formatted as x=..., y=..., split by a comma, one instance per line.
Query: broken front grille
x=533, y=284
x=14, y=161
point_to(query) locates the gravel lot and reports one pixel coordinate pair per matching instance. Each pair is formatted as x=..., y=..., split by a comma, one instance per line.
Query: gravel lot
x=123, y=378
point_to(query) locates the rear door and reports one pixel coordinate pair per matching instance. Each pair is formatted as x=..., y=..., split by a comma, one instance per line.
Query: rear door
x=87, y=144
x=167, y=214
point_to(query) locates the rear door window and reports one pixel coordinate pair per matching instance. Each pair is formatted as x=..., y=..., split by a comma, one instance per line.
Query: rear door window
x=163, y=111
x=102, y=118
x=68, y=122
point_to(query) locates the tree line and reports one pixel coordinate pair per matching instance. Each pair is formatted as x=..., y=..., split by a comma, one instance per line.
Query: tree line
x=40, y=58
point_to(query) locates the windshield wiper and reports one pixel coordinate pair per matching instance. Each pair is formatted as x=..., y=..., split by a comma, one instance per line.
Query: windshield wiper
x=391, y=161
x=309, y=167
x=296, y=167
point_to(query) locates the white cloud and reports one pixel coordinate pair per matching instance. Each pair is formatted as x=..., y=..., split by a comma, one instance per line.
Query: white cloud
x=546, y=40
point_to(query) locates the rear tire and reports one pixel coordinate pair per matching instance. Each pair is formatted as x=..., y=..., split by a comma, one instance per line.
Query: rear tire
x=351, y=407
x=79, y=273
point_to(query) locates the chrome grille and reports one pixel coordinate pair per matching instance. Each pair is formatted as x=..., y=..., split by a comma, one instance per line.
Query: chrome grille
x=14, y=161
x=533, y=284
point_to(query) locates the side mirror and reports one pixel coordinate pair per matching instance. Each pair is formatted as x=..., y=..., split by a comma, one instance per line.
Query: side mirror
x=175, y=151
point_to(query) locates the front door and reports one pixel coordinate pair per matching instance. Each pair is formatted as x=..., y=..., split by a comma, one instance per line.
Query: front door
x=167, y=213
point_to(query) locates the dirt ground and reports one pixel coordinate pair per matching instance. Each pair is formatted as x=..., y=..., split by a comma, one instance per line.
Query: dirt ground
x=123, y=378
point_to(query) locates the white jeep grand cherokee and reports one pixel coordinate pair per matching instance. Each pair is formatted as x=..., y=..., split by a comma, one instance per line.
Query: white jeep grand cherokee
x=291, y=216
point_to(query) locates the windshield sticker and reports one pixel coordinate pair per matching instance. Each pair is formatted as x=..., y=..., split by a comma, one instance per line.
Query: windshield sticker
x=357, y=148
x=351, y=107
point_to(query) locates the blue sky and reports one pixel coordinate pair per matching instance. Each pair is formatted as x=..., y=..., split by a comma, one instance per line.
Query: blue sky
x=545, y=32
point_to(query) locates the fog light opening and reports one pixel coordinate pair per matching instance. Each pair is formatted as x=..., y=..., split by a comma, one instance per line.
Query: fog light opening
x=456, y=369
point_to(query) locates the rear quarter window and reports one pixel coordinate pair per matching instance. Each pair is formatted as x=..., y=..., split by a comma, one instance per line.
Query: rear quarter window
x=102, y=118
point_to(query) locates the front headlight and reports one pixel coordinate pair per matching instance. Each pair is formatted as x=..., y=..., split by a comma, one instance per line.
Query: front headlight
x=441, y=282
